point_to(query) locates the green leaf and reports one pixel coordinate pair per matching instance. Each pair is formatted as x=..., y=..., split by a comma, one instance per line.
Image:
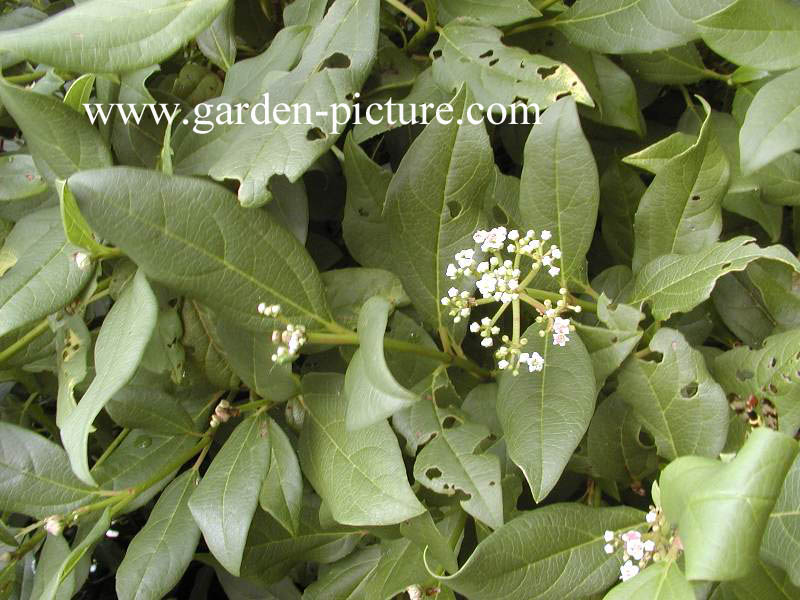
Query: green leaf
x=763, y=581
x=783, y=527
x=677, y=283
x=348, y=290
x=621, y=189
x=345, y=579
x=501, y=12
x=35, y=475
x=424, y=533
x=358, y=474
x=676, y=399
x=117, y=353
x=371, y=391
x=764, y=34
x=76, y=228
x=161, y=551
x=348, y=33
x=304, y=12
x=661, y=581
x=681, y=211
x=615, y=449
x=54, y=552
x=551, y=552
x=237, y=249
x=271, y=551
x=145, y=407
x=769, y=372
x=112, y=36
x=560, y=189
x=609, y=346
x=673, y=66
x=41, y=275
x=226, y=499
x=625, y=26
x=282, y=492
x=79, y=92
x=654, y=158
x=218, y=42
x=250, y=357
x=772, y=125
x=401, y=565
x=19, y=178
x=363, y=225
x=495, y=73
x=203, y=345
x=60, y=140
x=722, y=509
x=560, y=400
x=429, y=225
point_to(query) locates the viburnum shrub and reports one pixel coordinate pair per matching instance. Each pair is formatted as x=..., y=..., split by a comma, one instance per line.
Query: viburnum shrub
x=375, y=299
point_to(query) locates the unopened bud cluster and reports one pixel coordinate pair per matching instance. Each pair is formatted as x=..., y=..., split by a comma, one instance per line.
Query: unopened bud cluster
x=289, y=340
x=640, y=549
x=222, y=413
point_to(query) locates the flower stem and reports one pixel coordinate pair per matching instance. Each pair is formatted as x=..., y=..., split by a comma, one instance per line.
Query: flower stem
x=531, y=26
x=351, y=339
x=25, y=77
x=407, y=11
x=545, y=295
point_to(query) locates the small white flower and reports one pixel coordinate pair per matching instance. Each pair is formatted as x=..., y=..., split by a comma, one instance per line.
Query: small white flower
x=651, y=517
x=487, y=342
x=112, y=533
x=631, y=535
x=608, y=536
x=546, y=235
x=554, y=271
x=82, y=260
x=628, y=570
x=513, y=235
x=609, y=549
x=555, y=252
x=54, y=525
x=414, y=592
x=649, y=546
x=474, y=327
x=635, y=549
x=503, y=365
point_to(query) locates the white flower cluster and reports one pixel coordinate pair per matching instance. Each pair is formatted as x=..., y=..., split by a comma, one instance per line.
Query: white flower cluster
x=559, y=326
x=639, y=549
x=510, y=357
x=460, y=304
x=289, y=340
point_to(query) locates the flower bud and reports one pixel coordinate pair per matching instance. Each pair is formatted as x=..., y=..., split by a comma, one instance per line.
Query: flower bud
x=54, y=525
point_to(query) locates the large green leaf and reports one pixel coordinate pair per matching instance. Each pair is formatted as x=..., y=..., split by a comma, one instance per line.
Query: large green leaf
x=359, y=474
x=54, y=552
x=495, y=73
x=764, y=34
x=681, y=211
x=346, y=578
x=347, y=37
x=61, y=140
x=560, y=189
x=432, y=218
x=203, y=345
x=722, y=509
x=661, y=581
x=216, y=247
x=282, y=492
x=625, y=26
x=372, y=392
x=146, y=407
x=676, y=399
x=19, y=178
x=763, y=582
x=158, y=555
x=552, y=552
x=272, y=551
x=677, y=283
x=545, y=414
x=107, y=36
x=39, y=273
x=772, y=125
x=500, y=12
x=117, y=353
x=35, y=476
x=680, y=65
x=226, y=499
x=783, y=527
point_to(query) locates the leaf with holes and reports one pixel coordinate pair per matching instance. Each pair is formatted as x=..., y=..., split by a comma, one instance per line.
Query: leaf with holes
x=495, y=73
x=676, y=399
